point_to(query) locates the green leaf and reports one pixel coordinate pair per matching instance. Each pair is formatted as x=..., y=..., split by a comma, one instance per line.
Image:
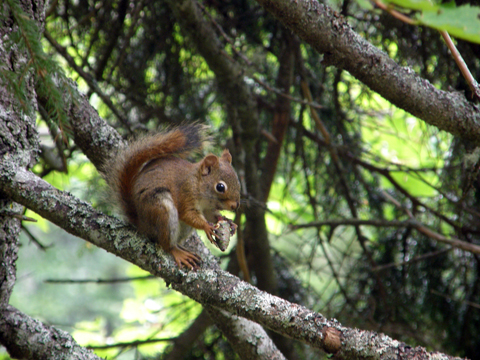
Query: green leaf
x=462, y=22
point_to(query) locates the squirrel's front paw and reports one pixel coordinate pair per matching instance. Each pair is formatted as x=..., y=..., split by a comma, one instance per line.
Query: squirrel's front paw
x=210, y=230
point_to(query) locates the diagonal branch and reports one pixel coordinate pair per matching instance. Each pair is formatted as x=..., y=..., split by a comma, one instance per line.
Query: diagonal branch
x=209, y=286
x=472, y=83
x=330, y=34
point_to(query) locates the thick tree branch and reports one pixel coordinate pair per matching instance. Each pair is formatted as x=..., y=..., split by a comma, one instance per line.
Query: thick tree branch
x=27, y=338
x=330, y=34
x=210, y=285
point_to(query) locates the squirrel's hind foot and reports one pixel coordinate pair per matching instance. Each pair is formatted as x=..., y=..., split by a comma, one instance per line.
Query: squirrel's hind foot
x=184, y=257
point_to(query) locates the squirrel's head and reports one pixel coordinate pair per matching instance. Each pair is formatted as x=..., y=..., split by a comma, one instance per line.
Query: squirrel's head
x=220, y=179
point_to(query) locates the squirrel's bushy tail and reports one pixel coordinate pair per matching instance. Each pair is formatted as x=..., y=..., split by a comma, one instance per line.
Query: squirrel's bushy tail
x=179, y=141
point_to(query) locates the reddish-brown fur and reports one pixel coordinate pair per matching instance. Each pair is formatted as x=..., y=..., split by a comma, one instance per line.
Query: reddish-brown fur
x=165, y=196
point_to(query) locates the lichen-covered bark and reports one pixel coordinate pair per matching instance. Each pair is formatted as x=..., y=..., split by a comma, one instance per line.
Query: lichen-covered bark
x=27, y=338
x=330, y=34
x=18, y=141
x=210, y=285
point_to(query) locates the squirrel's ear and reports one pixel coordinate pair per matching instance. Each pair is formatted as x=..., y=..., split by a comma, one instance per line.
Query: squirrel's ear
x=208, y=162
x=226, y=156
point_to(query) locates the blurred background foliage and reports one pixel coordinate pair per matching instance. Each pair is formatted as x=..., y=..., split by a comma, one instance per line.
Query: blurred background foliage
x=140, y=72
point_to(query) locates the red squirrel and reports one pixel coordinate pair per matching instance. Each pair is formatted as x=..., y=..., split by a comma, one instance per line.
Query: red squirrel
x=165, y=196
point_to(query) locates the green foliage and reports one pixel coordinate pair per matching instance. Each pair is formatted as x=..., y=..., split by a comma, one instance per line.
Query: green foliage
x=459, y=21
x=462, y=22
x=50, y=80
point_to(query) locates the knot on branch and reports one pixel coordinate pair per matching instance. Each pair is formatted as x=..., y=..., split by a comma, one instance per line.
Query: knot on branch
x=331, y=340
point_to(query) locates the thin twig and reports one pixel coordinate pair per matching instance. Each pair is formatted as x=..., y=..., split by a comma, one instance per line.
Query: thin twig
x=351, y=222
x=472, y=83
x=386, y=173
x=224, y=34
x=475, y=305
x=397, y=204
x=287, y=96
x=129, y=344
x=412, y=260
x=396, y=14
x=455, y=242
x=35, y=240
x=98, y=281
x=15, y=215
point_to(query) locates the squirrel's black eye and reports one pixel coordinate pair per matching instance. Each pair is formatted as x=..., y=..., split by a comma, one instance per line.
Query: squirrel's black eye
x=221, y=187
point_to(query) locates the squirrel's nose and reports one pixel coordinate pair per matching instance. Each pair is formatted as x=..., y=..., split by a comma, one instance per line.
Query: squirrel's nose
x=235, y=205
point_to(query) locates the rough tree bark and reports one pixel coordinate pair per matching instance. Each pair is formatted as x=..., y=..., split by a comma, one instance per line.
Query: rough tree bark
x=330, y=34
